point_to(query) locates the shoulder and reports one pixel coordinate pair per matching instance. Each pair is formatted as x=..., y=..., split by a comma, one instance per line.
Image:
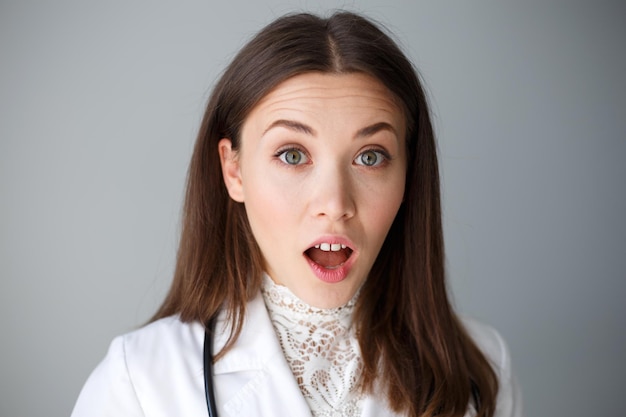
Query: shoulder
x=162, y=337
x=169, y=343
x=495, y=349
x=140, y=369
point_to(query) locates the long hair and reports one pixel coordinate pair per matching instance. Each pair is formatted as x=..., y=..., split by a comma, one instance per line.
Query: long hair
x=413, y=346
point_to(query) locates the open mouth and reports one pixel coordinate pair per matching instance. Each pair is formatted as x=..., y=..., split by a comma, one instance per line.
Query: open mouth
x=329, y=255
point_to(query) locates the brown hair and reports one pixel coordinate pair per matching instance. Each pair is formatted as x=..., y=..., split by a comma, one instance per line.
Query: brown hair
x=412, y=343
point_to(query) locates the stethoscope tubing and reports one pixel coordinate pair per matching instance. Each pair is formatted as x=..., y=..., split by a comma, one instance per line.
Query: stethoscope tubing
x=209, y=389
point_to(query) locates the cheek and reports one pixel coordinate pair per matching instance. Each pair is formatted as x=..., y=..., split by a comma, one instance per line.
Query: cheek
x=383, y=210
x=270, y=193
x=269, y=211
x=384, y=214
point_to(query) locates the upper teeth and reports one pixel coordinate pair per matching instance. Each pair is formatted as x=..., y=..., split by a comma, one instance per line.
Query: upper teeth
x=330, y=247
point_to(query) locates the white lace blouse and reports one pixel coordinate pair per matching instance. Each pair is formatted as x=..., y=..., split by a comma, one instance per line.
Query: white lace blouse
x=321, y=348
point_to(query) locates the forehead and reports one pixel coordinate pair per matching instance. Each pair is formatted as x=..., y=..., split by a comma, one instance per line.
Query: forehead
x=346, y=93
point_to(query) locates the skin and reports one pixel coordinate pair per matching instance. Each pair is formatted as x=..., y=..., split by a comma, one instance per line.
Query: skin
x=322, y=159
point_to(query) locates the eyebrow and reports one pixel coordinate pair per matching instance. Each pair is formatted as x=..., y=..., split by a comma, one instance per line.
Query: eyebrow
x=308, y=130
x=291, y=125
x=375, y=128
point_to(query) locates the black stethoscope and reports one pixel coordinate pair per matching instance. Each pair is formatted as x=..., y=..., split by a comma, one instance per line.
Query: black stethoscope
x=209, y=391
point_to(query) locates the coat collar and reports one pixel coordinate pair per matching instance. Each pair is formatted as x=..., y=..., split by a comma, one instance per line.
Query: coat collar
x=254, y=379
x=257, y=343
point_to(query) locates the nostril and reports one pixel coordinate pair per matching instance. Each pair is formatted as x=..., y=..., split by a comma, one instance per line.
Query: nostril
x=342, y=211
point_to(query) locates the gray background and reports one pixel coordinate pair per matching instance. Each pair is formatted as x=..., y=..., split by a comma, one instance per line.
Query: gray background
x=99, y=106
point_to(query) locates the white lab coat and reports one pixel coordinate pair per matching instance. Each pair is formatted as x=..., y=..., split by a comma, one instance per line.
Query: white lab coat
x=157, y=371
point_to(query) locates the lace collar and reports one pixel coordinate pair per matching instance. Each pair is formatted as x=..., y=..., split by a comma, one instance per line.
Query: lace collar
x=281, y=299
x=321, y=348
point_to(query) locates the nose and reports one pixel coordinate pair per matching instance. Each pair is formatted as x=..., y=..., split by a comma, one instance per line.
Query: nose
x=333, y=195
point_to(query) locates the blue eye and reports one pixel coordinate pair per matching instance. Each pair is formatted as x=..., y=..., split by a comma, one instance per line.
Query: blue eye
x=370, y=158
x=292, y=157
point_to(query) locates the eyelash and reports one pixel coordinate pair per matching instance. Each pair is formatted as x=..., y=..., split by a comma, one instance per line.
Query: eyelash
x=280, y=155
x=380, y=152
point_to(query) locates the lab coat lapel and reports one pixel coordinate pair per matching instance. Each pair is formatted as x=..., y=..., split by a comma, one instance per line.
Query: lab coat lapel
x=253, y=378
x=269, y=393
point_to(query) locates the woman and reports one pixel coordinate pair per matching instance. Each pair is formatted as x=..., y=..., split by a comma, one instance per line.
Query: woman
x=312, y=237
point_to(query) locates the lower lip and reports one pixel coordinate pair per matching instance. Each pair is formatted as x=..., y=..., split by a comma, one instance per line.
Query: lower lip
x=334, y=275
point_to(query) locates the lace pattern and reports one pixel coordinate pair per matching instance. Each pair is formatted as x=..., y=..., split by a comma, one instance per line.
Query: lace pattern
x=321, y=348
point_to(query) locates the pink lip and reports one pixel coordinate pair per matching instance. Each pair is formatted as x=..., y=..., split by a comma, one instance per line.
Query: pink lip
x=339, y=273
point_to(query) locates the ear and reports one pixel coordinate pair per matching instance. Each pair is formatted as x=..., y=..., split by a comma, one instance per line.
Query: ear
x=231, y=170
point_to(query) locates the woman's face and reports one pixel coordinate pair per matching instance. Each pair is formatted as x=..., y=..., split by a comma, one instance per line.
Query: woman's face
x=321, y=172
